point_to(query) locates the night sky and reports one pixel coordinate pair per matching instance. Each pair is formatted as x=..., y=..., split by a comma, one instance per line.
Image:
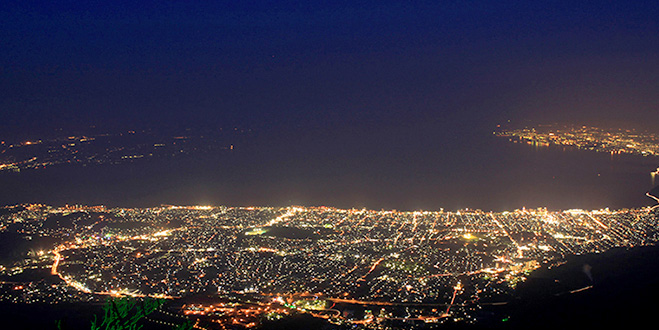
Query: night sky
x=341, y=76
x=281, y=63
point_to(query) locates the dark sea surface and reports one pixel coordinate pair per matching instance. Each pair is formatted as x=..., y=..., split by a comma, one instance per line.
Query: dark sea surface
x=449, y=165
x=624, y=287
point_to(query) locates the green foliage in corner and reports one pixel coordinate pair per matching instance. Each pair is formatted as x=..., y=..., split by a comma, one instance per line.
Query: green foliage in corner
x=124, y=313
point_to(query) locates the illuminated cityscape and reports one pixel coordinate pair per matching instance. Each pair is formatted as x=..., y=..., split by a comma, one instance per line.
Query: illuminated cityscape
x=614, y=141
x=263, y=262
x=329, y=165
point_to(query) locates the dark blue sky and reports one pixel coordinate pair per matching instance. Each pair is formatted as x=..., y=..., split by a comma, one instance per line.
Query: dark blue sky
x=272, y=63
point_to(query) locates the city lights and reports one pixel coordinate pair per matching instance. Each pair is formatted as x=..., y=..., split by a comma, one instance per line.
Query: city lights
x=291, y=256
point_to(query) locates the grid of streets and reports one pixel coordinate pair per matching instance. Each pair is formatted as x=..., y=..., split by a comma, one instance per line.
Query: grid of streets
x=451, y=261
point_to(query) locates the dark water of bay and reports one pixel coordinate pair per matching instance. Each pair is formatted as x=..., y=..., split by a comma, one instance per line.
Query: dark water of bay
x=404, y=168
x=623, y=291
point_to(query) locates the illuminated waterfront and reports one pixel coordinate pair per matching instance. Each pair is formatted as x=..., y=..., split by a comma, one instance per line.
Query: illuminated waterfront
x=614, y=141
